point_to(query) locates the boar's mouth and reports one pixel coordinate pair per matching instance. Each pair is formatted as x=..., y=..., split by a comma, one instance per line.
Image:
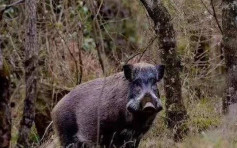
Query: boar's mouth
x=149, y=108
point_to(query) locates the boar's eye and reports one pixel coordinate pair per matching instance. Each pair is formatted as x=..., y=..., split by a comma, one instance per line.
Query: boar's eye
x=137, y=86
x=152, y=81
x=154, y=87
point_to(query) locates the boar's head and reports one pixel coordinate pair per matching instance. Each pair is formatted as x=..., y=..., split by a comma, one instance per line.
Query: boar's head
x=143, y=92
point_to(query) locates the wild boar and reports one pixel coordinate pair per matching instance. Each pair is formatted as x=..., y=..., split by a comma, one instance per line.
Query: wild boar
x=114, y=111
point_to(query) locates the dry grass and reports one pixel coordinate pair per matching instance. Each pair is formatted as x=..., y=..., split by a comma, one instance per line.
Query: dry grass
x=218, y=135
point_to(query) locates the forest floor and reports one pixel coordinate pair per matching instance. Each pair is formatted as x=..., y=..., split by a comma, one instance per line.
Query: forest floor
x=223, y=135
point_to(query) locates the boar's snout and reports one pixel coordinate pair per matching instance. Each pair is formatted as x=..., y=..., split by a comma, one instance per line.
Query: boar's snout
x=150, y=108
x=150, y=105
x=147, y=104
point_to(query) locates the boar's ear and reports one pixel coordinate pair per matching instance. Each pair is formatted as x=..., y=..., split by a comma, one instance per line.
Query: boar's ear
x=127, y=69
x=160, y=72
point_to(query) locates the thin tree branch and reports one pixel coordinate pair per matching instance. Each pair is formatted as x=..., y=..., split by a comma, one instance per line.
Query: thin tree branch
x=98, y=11
x=79, y=44
x=213, y=13
x=98, y=36
x=73, y=57
x=149, y=44
x=13, y=4
x=209, y=11
x=46, y=131
x=215, y=16
x=142, y=52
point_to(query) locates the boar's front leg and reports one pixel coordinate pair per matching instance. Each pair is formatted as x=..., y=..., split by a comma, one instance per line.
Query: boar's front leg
x=132, y=144
x=79, y=144
x=126, y=140
x=137, y=143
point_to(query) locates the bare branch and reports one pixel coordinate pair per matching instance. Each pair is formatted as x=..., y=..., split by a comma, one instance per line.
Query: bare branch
x=98, y=36
x=149, y=44
x=215, y=16
x=142, y=52
x=98, y=11
x=15, y=3
x=79, y=44
x=73, y=57
x=213, y=13
x=209, y=11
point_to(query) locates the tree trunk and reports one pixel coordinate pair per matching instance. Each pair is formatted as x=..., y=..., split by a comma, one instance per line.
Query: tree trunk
x=229, y=41
x=31, y=73
x=175, y=110
x=5, y=113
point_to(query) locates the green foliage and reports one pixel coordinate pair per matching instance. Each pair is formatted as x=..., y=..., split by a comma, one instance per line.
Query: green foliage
x=89, y=44
x=182, y=45
x=33, y=136
x=203, y=123
x=11, y=13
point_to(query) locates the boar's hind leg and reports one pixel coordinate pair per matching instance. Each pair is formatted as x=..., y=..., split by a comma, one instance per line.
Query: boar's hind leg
x=67, y=129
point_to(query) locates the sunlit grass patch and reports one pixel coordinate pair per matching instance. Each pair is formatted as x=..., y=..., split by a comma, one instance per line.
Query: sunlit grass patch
x=203, y=115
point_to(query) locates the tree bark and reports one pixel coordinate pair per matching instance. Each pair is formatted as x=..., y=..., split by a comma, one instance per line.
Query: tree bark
x=229, y=41
x=5, y=113
x=31, y=73
x=175, y=109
